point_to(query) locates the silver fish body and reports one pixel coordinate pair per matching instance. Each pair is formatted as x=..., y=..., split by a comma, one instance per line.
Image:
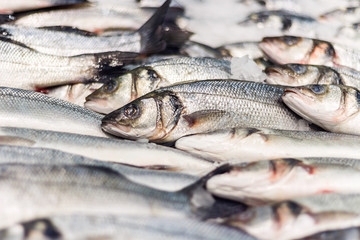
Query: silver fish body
x=43, y=70
x=240, y=49
x=85, y=189
x=43, y=112
x=139, y=154
x=19, y=5
x=161, y=180
x=83, y=227
x=201, y=106
x=286, y=179
x=241, y=144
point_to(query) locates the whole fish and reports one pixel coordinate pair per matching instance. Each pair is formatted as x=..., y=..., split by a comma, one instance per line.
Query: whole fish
x=284, y=179
x=302, y=74
x=333, y=107
x=110, y=227
x=36, y=191
x=21, y=5
x=240, y=49
x=290, y=49
x=43, y=70
x=172, y=112
x=74, y=93
x=242, y=144
x=161, y=180
x=22, y=108
x=144, y=79
x=70, y=42
x=300, y=217
x=280, y=19
x=139, y=154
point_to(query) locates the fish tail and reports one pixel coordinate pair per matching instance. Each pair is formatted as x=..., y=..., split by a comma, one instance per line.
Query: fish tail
x=152, y=32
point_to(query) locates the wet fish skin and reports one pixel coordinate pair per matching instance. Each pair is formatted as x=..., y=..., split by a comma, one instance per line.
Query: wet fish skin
x=70, y=42
x=162, y=180
x=285, y=179
x=332, y=107
x=238, y=145
x=300, y=217
x=46, y=70
x=139, y=154
x=43, y=112
x=201, y=106
x=291, y=49
x=83, y=227
x=144, y=79
x=341, y=16
x=196, y=49
x=84, y=189
x=16, y=6
x=302, y=74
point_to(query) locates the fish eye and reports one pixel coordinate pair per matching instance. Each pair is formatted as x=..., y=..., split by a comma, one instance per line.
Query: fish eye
x=317, y=89
x=152, y=74
x=298, y=68
x=132, y=111
x=110, y=86
x=290, y=41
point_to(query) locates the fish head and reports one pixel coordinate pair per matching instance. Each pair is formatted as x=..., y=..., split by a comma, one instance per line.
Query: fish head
x=291, y=74
x=122, y=90
x=320, y=104
x=287, y=49
x=151, y=117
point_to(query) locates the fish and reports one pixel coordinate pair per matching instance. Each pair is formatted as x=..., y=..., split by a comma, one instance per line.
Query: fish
x=341, y=16
x=170, y=180
x=300, y=217
x=332, y=107
x=24, y=108
x=140, y=154
x=238, y=145
x=344, y=234
x=196, y=49
x=201, y=106
x=240, y=49
x=20, y=5
x=280, y=19
x=111, y=227
x=74, y=93
x=65, y=189
x=43, y=70
x=277, y=180
x=301, y=50
x=303, y=74
x=144, y=79
x=64, y=41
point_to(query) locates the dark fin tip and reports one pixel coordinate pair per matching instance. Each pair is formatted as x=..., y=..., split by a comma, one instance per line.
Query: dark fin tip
x=152, y=33
x=50, y=231
x=4, y=18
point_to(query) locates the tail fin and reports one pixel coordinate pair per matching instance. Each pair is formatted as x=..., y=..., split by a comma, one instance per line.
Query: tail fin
x=152, y=31
x=201, y=200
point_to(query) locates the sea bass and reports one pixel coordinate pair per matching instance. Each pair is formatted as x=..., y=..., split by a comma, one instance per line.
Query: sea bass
x=144, y=79
x=302, y=74
x=147, y=155
x=201, y=106
x=84, y=189
x=21, y=5
x=241, y=144
x=300, y=217
x=111, y=227
x=163, y=180
x=22, y=108
x=290, y=49
x=70, y=42
x=285, y=179
x=43, y=70
x=333, y=107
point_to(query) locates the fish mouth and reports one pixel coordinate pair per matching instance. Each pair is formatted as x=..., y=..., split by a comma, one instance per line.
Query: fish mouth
x=116, y=129
x=100, y=105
